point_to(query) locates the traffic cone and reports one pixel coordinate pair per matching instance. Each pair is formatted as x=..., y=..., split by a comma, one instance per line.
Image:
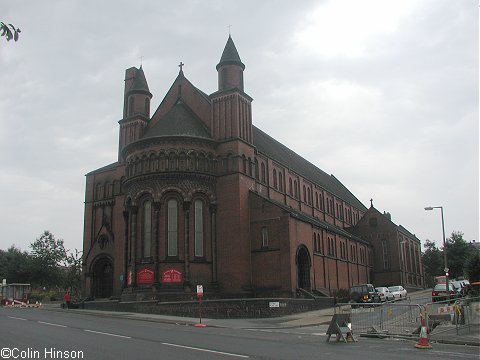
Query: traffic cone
x=423, y=339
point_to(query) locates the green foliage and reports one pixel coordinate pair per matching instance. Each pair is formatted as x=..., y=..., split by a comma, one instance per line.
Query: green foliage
x=472, y=266
x=15, y=265
x=432, y=259
x=48, y=260
x=457, y=254
x=9, y=31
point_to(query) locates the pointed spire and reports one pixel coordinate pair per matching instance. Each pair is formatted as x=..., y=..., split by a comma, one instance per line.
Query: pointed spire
x=140, y=82
x=230, y=55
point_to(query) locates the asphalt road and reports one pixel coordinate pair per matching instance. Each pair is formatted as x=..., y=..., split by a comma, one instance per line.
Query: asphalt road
x=40, y=334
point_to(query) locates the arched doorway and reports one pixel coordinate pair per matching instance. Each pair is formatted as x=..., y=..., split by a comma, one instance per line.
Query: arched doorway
x=303, y=268
x=102, y=278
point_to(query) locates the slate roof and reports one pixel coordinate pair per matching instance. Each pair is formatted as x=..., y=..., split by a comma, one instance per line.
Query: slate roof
x=282, y=154
x=297, y=214
x=230, y=55
x=179, y=121
x=140, y=82
x=104, y=168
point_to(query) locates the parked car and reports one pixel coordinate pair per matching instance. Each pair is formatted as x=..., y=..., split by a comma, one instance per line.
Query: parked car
x=398, y=291
x=459, y=288
x=385, y=294
x=439, y=292
x=363, y=294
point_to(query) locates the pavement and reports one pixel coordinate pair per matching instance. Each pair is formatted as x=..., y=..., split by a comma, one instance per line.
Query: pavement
x=444, y=333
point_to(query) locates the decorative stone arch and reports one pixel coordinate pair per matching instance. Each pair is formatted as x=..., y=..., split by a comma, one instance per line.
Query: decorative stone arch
x=304, y=263
x=102, y=271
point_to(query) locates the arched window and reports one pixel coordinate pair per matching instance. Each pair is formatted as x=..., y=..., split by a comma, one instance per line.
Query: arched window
x=295, y=188
x=290, y=189
x=264, y=237
x=256, y=175
x=263, y=173
x=274, y=178
x=147, y=106
x=147, y=229
x=304, y=194
x=199, y=228
x=131, y=104
x=172, y=228
x=309, y=198
x=280, y=181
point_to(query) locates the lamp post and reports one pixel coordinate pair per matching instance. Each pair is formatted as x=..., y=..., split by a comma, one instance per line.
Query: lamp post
x=444, y=246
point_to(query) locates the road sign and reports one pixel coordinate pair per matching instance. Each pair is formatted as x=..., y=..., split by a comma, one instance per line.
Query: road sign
x=446, y=270
x=199, y=290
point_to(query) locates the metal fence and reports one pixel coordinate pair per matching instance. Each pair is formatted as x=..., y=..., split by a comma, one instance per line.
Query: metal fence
x=403, y=318
x=464, y=313
x=399, y=318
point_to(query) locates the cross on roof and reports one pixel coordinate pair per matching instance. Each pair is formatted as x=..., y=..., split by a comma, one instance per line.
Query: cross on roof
x=371, y=202
x=181, y=66
x=229, y=29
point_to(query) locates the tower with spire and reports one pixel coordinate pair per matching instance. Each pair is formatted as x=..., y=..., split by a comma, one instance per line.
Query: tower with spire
x=231, y=106
x=136, y=108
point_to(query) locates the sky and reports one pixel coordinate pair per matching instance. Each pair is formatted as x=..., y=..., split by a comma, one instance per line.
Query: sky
x=382, y=94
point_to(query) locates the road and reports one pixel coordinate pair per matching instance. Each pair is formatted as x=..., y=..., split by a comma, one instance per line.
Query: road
x=39, y=334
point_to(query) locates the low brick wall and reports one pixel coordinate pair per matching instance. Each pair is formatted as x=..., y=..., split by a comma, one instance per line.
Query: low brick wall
x=216, y=309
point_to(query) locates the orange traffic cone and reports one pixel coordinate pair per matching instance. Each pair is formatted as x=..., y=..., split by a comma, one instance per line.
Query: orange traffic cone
x=423, y=339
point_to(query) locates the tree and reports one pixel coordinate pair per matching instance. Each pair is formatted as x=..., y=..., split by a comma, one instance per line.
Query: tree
x=472, y=266
x=432, y=260
x=457, y=254
x=15, y=265
x=73, y=273
x=9, y=31
x=49, y=259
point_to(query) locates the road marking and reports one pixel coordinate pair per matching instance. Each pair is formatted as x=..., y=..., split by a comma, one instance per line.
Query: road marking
x=206, y=350
x=52, y=324
x=286, y=332
x=17, y=318
x=452, y=354
x=104, y=333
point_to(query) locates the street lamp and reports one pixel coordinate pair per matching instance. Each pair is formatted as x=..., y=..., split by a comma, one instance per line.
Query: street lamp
x=444, y=246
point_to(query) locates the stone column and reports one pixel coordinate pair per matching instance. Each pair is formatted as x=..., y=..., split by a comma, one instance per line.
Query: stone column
x=156, y=236
x=213, y=232
x=133, y=227
x=186, y=213
x=125, y=248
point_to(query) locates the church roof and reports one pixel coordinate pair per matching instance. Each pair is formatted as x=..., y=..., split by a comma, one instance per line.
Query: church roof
x=140, y=82
x=230, y=55
x=279, y=152
x=179, y=121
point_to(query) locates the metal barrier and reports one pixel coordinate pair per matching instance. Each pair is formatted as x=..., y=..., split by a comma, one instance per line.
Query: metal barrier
x=391, y=318
x=464, y=313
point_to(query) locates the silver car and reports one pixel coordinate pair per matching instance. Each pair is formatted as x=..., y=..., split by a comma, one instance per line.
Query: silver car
x=385, y=294
x=398, y=291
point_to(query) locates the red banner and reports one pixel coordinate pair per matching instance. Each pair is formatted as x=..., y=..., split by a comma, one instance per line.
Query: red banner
x=145, y=276
x=172, y=276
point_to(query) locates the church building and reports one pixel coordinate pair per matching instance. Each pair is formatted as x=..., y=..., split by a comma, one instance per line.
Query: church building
x=201, y=196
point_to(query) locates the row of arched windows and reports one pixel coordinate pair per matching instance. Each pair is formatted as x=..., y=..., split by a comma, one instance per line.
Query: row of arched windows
x=170, y=224
x=173, y=161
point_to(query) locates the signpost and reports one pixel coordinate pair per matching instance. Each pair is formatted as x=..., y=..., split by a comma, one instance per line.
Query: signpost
x=199, y=298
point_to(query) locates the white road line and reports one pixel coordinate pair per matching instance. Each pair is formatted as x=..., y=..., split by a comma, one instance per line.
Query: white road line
x=206, y=350
x=16, y=318
x=52, y=324
x=104, y=333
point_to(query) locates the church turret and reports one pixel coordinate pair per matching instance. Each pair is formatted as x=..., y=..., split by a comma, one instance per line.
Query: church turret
x=231, y=106
x=136, y=108
x=230, y=68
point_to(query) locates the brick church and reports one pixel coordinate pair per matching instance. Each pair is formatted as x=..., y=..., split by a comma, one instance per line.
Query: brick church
x=199, y=195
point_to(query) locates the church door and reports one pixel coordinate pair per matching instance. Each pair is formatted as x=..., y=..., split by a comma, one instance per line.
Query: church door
x=303, y=268
x=103, y=278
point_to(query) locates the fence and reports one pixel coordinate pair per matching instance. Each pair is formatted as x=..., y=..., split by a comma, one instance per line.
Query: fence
x=401, y=319
x=464, y=313
x=404, y=318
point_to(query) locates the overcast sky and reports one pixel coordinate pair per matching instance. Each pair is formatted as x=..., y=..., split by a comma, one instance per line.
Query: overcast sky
x=383, y=94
